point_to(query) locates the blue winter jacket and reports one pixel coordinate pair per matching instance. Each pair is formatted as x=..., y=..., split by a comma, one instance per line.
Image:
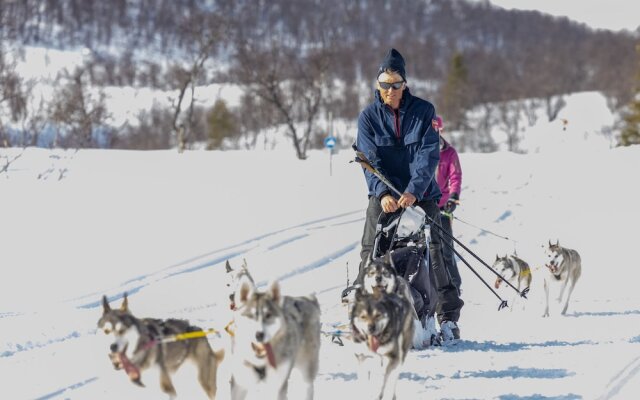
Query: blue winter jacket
x=402, y=145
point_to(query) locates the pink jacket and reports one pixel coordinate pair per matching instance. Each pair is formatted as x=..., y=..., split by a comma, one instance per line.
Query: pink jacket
x=449, y=173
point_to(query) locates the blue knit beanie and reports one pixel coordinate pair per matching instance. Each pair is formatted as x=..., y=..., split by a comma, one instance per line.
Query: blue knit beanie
x=393, y=61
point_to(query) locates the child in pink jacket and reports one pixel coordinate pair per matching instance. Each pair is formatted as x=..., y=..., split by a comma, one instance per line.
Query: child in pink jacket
x=449, y=179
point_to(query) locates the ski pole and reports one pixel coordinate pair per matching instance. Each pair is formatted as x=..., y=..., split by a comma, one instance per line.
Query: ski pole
x=522, y=293
x=364, y=162
x=503, y=303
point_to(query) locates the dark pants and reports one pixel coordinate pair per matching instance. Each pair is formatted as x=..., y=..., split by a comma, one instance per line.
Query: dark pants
x=447, y=251
x=449, y=302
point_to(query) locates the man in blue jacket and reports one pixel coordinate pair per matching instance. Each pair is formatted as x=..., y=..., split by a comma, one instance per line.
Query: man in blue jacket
x=395, y=133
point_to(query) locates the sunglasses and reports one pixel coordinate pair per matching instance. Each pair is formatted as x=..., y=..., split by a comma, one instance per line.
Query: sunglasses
x=387, y=85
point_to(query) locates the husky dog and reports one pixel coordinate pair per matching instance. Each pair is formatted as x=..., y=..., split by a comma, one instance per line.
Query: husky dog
x=136, y=347
x=565, y=268
x=234, y=277
x=382, y=325
x=516, y=271
x=273, y=335
x=380, y=276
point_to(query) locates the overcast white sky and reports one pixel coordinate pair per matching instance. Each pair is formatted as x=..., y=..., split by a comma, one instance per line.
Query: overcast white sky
x=601, y=14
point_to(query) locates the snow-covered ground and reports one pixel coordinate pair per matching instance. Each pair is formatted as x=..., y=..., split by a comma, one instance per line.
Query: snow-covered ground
x=159, y=225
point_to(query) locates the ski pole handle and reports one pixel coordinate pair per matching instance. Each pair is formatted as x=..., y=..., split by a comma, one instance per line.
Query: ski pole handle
x=364, y=162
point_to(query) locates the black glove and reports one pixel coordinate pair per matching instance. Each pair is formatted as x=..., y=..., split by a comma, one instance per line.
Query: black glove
x=452, y=203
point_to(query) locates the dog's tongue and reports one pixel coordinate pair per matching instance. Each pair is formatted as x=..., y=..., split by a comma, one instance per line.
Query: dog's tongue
x=374, y=343
x=498, y=282
x=262, y=349
x=132, y=371
x=270, y=356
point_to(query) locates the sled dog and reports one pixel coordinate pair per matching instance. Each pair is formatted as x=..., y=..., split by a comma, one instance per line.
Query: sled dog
x=234, y=277
x=565, y=268
x=382, y=326
x=273, y=334
x=380, y=276
x=136, y=347
x=516, y=271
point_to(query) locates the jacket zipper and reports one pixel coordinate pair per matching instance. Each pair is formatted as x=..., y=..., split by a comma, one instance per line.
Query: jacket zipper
x=396, y=121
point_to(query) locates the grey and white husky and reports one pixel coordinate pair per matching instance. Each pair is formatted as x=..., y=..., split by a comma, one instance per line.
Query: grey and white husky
x=380, y=276
x=565, y=268
x=516, y=271
x=382, y=325
x=273, y=334
x=136, y=347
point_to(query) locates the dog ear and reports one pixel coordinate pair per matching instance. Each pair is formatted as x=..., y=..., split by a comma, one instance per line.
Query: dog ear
x=227, y=267
x=497, y=258
x=387, y=259
x=370, y=257
x=558, y=242
x=359, y=291
x=125, y=303
x=274, y=292
x=244, y=264
x=105, y=305
x=549, y=242
x=244, y=291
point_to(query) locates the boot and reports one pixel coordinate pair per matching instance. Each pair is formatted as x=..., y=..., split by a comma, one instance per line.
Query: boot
x=450, y=332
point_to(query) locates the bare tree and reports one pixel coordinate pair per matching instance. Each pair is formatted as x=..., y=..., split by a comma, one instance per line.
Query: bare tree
x=291, y=82
x=509, y=120
x=476, y=136
x=34, y=121
x=186, y=79
x=153, y=131
x=630, y=133
x=202, y=34
x=553, y=106
x=79, y=113
x=530, y=109
x=285, y=65
x=13, y=99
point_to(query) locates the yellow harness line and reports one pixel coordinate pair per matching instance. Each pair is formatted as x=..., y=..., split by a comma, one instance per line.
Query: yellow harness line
x=189, y=335
x=525, y=272
x=230, y=328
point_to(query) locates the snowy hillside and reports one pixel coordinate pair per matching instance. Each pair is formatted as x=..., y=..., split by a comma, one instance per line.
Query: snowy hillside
x=159, y=225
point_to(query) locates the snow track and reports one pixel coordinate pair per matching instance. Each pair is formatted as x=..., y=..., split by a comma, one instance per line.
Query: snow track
x=623, y=377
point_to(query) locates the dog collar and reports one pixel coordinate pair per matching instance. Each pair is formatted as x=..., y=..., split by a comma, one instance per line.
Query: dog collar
x=553, y=271
x=261, y=371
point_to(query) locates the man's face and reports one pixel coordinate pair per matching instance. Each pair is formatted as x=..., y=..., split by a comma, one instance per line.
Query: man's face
x=391, y=96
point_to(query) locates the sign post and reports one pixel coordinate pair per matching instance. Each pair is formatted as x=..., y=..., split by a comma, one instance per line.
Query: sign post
x=329, y=143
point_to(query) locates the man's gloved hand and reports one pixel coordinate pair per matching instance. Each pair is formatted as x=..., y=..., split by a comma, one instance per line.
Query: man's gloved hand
x=452, y=203
x=389, y=204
